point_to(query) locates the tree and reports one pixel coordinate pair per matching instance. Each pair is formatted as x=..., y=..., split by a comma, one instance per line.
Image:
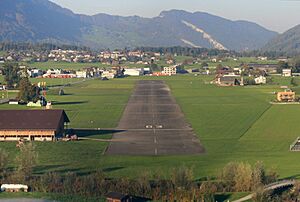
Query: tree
x=204, y=64
x=3, y=163
x=11, y=74
x=258, y=175
x=282, y=65
x=28, y=92
x=182, y=177
x=26, y=160
x=296, y=65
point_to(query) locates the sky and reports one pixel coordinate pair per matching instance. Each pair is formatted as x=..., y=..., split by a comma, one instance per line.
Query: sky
x=276, y=15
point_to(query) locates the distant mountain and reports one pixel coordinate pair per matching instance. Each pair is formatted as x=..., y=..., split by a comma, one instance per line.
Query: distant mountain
x=288, y=42
x=42, y=20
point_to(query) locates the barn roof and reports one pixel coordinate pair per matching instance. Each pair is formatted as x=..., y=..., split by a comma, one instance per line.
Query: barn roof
x=31, y=119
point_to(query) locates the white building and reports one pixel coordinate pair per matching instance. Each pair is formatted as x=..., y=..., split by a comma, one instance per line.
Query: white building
x=134, y=72
x=260, y=80
x=81, y=74
x=54, y=71
x=35, y=72
x=287, y=72
x=108, y=74
x=170, y=70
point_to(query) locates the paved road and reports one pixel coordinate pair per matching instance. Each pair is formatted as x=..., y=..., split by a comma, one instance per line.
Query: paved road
x=153, y=124
x=276, y=185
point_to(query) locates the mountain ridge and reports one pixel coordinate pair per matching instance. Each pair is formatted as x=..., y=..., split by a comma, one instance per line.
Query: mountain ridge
x=287, y=42
x=42, y=20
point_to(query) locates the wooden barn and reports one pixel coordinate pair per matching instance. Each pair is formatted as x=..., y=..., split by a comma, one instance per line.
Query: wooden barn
x=32, y=125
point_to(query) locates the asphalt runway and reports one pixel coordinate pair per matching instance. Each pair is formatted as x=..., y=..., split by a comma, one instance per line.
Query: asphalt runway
x=153, y=124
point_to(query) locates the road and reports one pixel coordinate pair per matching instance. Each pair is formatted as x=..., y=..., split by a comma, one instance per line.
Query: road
x=276, y=185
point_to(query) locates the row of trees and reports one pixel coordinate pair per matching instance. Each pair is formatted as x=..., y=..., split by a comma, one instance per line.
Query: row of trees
x=28, y=46
x=186, y=51
x=179, y=186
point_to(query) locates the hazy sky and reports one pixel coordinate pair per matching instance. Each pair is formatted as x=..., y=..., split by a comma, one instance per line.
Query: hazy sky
x=277, y=15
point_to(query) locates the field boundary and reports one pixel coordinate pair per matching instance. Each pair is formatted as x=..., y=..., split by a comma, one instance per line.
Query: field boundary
x=260, y=116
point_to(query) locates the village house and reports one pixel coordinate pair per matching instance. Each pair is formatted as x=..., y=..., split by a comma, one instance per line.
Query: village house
x=32, y=125
x=134, y=72
x=81, y=74
x=287, y=72
x=108, y=74
x=172, y=70
x=34, y=73
x=268, y=68
x=260, y=80
x=286, y=96
x=228, y=81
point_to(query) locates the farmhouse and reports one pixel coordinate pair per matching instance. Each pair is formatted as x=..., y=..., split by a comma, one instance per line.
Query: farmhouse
x=268, y=68
x=228, y=81
x=170, y=70
x=287, y=72
x=33, y=125
x=260, y=80
x=286, y=96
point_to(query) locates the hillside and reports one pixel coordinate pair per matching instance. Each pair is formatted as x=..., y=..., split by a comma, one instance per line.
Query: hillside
x=41, y=20
x=288, y=42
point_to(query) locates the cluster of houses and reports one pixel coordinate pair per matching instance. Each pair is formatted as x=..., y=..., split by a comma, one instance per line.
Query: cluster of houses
x=91, y=72
x=250, y=74
x=81, y=56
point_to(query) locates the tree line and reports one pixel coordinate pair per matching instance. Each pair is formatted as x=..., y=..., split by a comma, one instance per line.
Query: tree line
x=29, y=46
x=186, y=51
x=179, y=185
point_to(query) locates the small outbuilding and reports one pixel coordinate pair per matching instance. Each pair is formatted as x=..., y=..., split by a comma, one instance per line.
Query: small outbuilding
x=14, y=188
x=32, y=125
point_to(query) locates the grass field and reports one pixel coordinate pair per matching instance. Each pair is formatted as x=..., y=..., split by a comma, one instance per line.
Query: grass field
x=233, y=124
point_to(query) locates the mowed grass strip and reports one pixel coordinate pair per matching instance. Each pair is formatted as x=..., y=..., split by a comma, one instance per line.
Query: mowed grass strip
x=233, y=124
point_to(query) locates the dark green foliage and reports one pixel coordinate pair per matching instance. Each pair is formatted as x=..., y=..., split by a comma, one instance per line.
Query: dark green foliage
x=27, y=46
x=282, y=65
x=11, y=74
x=296, y=65
x=249, y=81
x=28, y=92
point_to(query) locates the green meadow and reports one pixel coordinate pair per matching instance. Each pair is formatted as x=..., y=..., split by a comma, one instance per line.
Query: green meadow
x=233, y=124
